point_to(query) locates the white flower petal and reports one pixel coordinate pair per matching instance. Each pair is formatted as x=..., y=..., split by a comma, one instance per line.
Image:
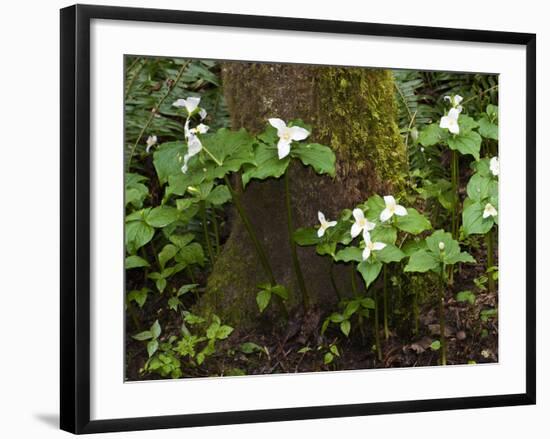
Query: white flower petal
x=457, y=99
x=277, y=123
x=283, y=148
x=180, y=103
x=321, y=232
x=385, y=215
x=400, y=210
x=453, y=113
x=203, y=114
x=453, y=128
x=390, y=201
x=298, y=133
x=192, y=103
x=355, y=230
x=378, y=246
x=202, y=128
x=369, y=226
x=494, y=166
x=447, y=98
x=366, y=253
x=331, y=224
x=321, y=217
x=358, y=214
x=444, y=122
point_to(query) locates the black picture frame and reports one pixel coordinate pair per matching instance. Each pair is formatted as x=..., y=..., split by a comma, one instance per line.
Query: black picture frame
x=75, y=217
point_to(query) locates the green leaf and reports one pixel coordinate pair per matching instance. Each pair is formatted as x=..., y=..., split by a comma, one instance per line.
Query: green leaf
x=390, y=253
x=145, y=335
x=137, y=234
x=223, y=332
x=488, y=129
x=492, y=112
x=375, y=205
x=466, y=296
x=384, y=233
x=184, y=289
x=412, y=246
x=168, y=159
x=351, y=308
x=473, y=221
x=161, y=216
x=135, y=262
x=466, y=123
x=334, y=350
x=138, y=296
x=268, y=164
x=152, y=347
x=436, y=345
x=368, y=303
x=349, y=254
x=321, y=158
x=306, y=236
x=220, y=195
x=167, y=253
x=466, y=143
x=135, y=191
x=181, y=241
x=414, y=222
x=249, y=348
x=345, y=327
x=155, y=329
x=369, y=270
x=336, y=317
x=326, y=248
x=431, y=135
x=461, y=257
x=191, y=254
x=328, y=358
x=422, y=261
x=160, y=284
x=280, y=291
x=173, y=303
x=192, y=319
x=481, y=187
x=262, y=299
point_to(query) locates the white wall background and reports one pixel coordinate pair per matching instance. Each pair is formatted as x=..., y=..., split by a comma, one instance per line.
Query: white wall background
x=29, y=217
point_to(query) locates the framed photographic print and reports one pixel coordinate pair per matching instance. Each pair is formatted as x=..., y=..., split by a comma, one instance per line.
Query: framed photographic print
x=284, y=218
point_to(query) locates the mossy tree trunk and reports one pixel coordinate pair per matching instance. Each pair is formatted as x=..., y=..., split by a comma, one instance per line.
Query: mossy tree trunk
x=350, y=109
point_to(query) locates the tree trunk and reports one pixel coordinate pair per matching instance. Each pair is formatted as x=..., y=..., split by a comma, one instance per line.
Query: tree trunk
x=353, y=111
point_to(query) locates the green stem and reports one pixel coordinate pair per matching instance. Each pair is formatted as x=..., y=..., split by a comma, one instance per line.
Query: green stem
x=386, y=330
x=211, y=156
x=454, y=184
x=443, y=348
x=353, y=281
x=293, y=252
x=376, y=325
x=216, y=231
x=248, y=226
x=489, y=238
x=333, y=281
x=155, y=111
x=206, y=233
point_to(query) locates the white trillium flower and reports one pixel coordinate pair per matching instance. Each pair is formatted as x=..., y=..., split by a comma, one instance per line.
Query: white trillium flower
x=494, y=166
x=202, y=114
x=324, y=224
x=190, y=104
x=489, y=211
x=370, y=246
x=200, y=128
x=451, y=121
x=455, y=101
x=151, y=140
x=361, y=224
x=194, y=146
x=287, y=135
x=392, y=208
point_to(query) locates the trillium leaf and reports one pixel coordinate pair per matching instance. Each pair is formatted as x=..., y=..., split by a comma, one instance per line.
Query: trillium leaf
x=488, y=129
x=135, y=191
x=414, y=222
x=432, y=135
x=181, y=241
x=179, y=182
x=138, y=296
x=390, y=253
x=345, y=327
x=326, y=248
x=369, y=270
x=466, y=143
x=220, y=195
x=412, y=246
x=161, y=216
x=145, y=335
x=137, y=234
x=152, y=347
x=167, y=253
x=168, y=159
x=384, y=233
x=368, y=303
x=481, y=187
x=321, y=158
x=184, y=289
x=191, y=254
x=421, y=262
x=135, y=261
x=460, y=257
x=155, y=329
x=267, y=164
x=349, y=254
x=306, y=236
x=230, y=147
x=281, y=291
x=473, y=221
x=466, y=123
x=262, y=299
x=375, y=205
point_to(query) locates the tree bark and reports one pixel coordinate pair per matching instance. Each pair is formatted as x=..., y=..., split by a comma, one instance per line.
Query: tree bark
x=353, y=111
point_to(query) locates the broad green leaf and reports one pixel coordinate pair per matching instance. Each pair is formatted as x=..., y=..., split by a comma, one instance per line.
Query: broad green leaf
x=375, y=205
x=326, y=248
x=192, y=319
x=161, y=284
x=191, y=254
x=167, y=253
x=223, y=332
x=461, y=257
x=414, y=222
x=138, y=296
x=432, y=135
x=138, y=215
x=351, y=308
x=328, y=358
x=184, y=289
x=220, y=195
x=488, y=129
x=152, y=347
x=466, y=123
x=262, y=299
x=168, y=159
x=145, y=335
x=321, y=158
x=481, y=187
x=421, y=262
x=390, y=253
x=336, y=317
x=281, y=291
x=349, y=254
x=369, y=270
x=135, y=262
x=161, y=216
x=345, y=327
x=268, y=164
x=436, y=345
x=412, y=246
x=466, y=143
x=137, y=234
x=135, y=191
x=466, y=296
x=250, y=347
x=181, y=241
x=473, y=221
x=368, y=303
x=306, y=236
x=384, y=233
